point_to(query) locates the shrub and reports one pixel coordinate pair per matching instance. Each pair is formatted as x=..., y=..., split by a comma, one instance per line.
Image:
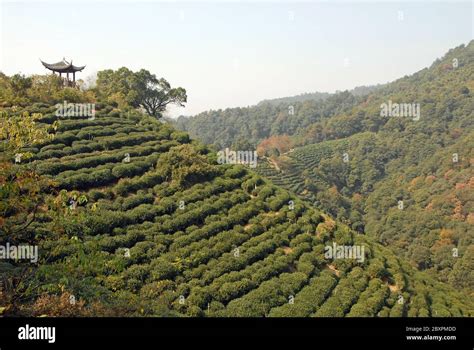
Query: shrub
x=162, y=269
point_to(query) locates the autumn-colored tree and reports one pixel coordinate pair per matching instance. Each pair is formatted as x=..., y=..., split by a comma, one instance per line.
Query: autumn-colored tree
x=21, y=90
x=20, y=186
x=274, y=146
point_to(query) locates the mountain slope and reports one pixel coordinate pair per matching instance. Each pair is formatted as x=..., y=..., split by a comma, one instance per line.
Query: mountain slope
x=426, y=165
x=360, y=166
x=153, y=226
x=223, y=128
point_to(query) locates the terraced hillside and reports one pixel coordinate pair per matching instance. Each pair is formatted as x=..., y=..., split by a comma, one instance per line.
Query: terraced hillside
x=153, y=226
x=406, y=182
x=304, y=171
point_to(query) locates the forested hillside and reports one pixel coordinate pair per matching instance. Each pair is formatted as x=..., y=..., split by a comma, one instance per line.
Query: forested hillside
x=137, y=219
x=248, y=126
x=405, y=181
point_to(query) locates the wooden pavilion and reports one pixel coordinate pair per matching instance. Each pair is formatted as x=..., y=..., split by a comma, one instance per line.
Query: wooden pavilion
x=66, y=68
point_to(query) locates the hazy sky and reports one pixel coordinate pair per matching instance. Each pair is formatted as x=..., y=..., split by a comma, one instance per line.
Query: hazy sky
x=228, y=54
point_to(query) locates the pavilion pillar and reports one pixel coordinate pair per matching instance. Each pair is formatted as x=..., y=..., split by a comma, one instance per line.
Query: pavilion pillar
x=74, y=77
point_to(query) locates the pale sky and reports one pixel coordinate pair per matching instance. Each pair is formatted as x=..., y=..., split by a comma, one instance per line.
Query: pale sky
x=236, y=53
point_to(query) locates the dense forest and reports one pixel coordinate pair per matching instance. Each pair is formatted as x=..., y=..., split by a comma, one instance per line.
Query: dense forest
x=342, y=155
x=247, y=127
x=133, y=217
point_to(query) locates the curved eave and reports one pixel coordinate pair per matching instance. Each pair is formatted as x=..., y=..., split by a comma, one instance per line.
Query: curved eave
x=65, y=68
x=78, y=69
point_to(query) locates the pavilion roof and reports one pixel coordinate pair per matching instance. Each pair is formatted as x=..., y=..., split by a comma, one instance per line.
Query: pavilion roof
x=63, y=67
